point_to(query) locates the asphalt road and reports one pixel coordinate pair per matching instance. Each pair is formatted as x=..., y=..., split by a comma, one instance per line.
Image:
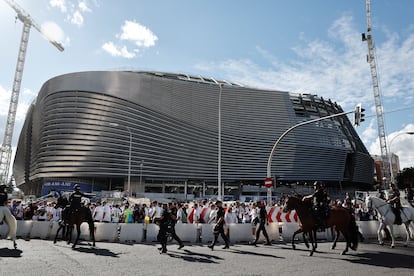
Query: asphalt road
x=42, y=257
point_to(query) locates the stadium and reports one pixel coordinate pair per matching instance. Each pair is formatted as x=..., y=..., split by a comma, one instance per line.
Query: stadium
x=154, y=133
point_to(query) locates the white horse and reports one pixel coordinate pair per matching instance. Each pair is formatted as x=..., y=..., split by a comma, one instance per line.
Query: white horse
x=386, y=218
x=6, y=216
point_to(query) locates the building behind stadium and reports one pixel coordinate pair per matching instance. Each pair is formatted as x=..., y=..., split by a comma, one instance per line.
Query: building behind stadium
x=157, y=133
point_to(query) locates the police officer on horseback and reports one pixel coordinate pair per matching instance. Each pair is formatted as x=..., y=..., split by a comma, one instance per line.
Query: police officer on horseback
x=320, y=203
x=75, y=199
x=394, y=201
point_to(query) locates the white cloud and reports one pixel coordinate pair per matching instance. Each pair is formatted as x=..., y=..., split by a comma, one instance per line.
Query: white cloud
x=75, y=14
x=140, y=36
x=84, y=7
x=76, y=18
x=335, y=69
x=117, y=51
x=399, y=143
x=60, y=4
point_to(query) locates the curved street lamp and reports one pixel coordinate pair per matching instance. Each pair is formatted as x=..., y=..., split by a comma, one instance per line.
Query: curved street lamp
x=390, y=153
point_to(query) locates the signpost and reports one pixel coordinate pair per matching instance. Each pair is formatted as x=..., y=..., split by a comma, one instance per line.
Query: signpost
x=268, y=182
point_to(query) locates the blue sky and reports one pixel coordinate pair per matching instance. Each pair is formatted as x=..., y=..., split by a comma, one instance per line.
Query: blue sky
x=305, y=46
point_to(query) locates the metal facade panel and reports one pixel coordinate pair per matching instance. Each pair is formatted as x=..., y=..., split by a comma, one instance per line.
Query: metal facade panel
x=81, y=121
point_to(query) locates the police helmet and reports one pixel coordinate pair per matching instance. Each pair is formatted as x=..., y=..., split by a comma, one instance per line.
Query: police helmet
x=316, y=185
x=77, y=187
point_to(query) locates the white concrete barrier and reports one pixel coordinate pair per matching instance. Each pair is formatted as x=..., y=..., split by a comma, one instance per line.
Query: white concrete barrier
x=4, y=229
x=84, y=235
x=188, y=232
x=23, y=228
x=240, y=232
x=207, y=235
x=41, y=229
x=288, y=229
x=131, y=232
x=106, y=232
x=368, y=228
x=152, y=232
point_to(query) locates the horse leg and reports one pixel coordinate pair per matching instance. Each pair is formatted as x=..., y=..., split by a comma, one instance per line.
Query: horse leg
x=92, y=232
x=305, y=239
x=312, y=238
x=347, y=243
x=379, y=233
x=293, y=237
x=391, y=229
x=57, y=233
x=407, y=232
x=77, y=235
x=336, y=239
x=69, y=233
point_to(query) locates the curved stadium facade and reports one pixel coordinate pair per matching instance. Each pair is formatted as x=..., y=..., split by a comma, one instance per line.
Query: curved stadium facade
x=160, y=131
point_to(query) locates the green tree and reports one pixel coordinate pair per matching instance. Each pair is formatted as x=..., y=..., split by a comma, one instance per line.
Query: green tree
x=405, y=178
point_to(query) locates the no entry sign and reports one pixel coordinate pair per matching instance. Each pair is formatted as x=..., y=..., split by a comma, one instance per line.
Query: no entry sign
x=268, y=182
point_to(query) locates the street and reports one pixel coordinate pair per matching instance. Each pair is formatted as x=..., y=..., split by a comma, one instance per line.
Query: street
x=42, y=257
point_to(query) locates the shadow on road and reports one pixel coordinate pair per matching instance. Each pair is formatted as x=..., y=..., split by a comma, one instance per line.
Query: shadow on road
x=97, y=251
x=385, y=259
x=244, y=252
x=195, y=257
x=12, y=253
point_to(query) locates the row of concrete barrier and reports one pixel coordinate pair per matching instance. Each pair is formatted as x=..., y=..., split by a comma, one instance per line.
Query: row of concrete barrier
x=193, y=233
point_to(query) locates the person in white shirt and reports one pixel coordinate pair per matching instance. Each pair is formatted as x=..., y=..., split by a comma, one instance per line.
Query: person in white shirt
x=116, y=213
x=106, y=216
x=98, y=212
x=254, y=218
x=213, y=214
x=245, y=214
x=55, y=213
x=230, y=217
x=196, y=213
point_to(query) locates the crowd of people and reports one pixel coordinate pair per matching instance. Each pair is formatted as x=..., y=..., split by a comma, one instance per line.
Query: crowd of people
x=203, y=211
x=168, y=215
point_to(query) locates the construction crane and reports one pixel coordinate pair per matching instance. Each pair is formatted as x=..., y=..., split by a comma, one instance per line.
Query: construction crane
x=386, y=172
x=6, y=148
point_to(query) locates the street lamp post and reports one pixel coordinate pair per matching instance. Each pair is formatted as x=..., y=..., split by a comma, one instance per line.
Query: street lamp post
x=219, y=192
x=140, y=172
x=129, y=160
x=390, y=153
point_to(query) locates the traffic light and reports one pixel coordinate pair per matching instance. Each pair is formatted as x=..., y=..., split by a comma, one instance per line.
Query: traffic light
x=359, y=115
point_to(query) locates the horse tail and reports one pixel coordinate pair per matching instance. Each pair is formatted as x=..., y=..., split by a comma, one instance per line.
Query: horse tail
x=12, y=223
x=353, y=230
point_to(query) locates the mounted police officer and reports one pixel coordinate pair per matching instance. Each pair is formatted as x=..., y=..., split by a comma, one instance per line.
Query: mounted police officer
x=394, y=201
x=75, y=199
x=320, y=203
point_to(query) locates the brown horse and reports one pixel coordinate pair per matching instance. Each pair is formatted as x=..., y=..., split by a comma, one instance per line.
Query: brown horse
x=339, y=219
x=76, y=217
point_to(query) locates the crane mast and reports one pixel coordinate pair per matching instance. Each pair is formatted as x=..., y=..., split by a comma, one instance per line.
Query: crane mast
x=6, y=148
x=377, y=94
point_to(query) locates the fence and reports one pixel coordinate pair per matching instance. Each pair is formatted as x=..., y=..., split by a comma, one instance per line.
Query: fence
x=193, y=233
